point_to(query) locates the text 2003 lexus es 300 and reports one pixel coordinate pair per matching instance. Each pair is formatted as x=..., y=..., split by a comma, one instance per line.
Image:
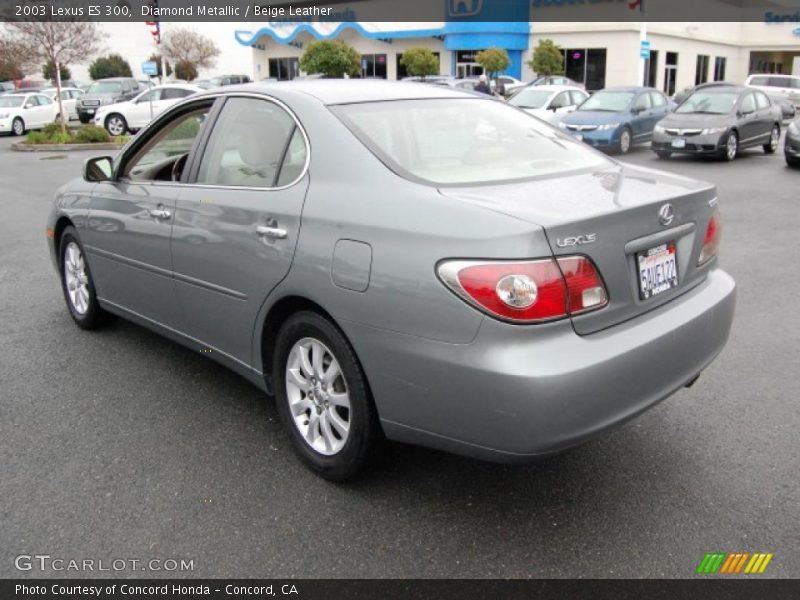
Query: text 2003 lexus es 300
x=401, y=261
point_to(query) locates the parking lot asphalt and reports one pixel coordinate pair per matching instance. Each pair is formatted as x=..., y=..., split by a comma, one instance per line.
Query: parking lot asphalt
x=119, y=444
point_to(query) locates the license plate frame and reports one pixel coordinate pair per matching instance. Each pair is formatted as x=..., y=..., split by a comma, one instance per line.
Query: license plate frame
x=657, y=270
x=679, y=143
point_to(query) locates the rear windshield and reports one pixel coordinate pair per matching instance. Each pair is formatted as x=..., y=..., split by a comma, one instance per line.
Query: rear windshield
x=530, y=99
x=463, y=141
x=608, y=101
x=709, y=103
x=105, y=87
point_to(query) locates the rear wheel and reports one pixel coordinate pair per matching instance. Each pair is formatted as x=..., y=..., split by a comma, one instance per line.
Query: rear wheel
x=116, y=124
x=625, y=141
x=323, y=398
x=18, y=126
x=774, y=138
x=77, y=283
x=731, y=147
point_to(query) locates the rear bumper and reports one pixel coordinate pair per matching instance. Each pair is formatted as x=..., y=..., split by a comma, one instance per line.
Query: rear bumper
x=515, y=393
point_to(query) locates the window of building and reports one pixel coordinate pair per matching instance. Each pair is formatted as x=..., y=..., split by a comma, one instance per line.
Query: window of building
x=401, y=70
x=373, y=65
x=651, y=69
x=670, y=73
x=719, y=68
x=284, y=68
x=701, y=70
x=586, y=66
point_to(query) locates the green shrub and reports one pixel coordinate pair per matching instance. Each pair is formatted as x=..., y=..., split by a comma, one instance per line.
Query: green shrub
x=38, y=137
x=91, y=134
x=51, y=129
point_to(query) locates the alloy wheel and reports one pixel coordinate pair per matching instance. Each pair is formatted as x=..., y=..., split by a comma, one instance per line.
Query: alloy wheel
x=625, y=141
x=731, y=146
x=318, y=396
x=774, y=138
x=115, y=126
x=76, y=279
x=19, y=127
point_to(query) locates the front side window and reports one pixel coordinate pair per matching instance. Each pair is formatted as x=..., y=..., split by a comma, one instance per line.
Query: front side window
x=658, y=99
x=748, y=104
x=560, y=101
x=172, y=143
x=464, y=141
x=642, y=102
x=31, y=102
x=249, y=145
x=609, y=101
x=44, y=100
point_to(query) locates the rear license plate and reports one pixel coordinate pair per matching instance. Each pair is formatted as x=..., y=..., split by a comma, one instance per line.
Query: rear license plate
x=658, y=270
x=679, y=143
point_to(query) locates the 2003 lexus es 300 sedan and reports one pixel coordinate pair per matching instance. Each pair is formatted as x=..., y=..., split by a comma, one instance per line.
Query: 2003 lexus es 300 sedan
x=400, y=261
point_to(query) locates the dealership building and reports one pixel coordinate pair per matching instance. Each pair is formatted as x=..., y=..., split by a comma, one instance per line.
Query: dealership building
x=598, y=54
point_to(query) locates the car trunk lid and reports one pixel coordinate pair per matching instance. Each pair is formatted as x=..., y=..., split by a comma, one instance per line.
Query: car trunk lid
x=612, y=215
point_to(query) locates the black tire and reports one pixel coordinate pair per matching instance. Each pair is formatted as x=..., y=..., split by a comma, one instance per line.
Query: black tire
x=93, y=316
x=17, y=126
x=113, y=119
x=663, y=155
x=622, y=147
x=793, y=163
x=364, y=441
x=729, y=152
x=774, y=140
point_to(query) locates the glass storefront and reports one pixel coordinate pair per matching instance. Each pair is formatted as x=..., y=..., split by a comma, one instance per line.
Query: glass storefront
x=284, y=69
x=373, y=66
x=466, y=65
x=586, y=66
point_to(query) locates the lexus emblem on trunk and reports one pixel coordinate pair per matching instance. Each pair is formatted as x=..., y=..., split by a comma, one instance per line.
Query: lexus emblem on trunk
x=666, y=214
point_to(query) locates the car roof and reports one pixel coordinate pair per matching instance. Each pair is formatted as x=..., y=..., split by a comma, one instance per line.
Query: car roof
x=633, y=89
x=348, y=91
x=724, y=89
x=554, y=88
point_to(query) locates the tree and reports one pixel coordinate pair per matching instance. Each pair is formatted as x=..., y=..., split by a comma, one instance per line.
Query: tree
x=112, y=65
x=331, y=58
x=420, y=62
x=49, y=71
x=493, y=60
x=156, y=58
x=60, y=42
x=185, y=70
x=15, y=59
x=547, y=59
x=184, y=45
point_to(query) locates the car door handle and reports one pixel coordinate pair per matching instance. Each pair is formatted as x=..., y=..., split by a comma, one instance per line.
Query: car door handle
x=274, y=233
x=160, y=213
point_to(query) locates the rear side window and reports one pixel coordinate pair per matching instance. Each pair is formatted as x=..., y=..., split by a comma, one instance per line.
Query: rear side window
x=749, y=103
x=249, y=145
x=464, y=141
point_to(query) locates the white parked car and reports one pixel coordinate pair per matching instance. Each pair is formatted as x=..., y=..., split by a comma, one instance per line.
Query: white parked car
x=776, y=86
x=20, y=112
x=134, y=114
x=549, y=102
x=69, y=99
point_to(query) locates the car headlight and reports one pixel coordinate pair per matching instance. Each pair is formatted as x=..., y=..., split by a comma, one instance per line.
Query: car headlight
x=713, y=130
x=607, y=126
x=4, y=115
x=659, y=129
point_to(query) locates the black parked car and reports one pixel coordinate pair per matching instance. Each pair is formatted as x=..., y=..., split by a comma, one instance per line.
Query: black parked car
x=106, y=91
x=791, y=145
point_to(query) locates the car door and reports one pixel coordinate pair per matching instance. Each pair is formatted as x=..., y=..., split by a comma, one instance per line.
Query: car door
x=170, y=96
x=237, y=221
x=749, y=127
x=130, y=220
x=139, y=111
x=764, y=115
x=560, y=106
x=642, y=122
x=32, y=112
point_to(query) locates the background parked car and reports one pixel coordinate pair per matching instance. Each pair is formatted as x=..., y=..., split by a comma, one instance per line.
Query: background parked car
x=69, y=99
x=791, y=145
x=512, y=89
x=720, y=120
x=685, y=93
x=105, y=91
x=228, y=80
x=549, y=102
x=615, y=119
x=777, y=87
x=20, y=112
x=134, y=114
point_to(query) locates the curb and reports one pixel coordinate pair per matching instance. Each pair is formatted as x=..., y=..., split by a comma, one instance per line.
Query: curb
x=22, y=147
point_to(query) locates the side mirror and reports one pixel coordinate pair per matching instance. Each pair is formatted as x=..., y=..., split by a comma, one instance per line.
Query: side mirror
x=97, y=169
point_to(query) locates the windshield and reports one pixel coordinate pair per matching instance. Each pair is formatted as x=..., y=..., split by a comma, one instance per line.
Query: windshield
x=530, y=99
x=105, y=87
x=11, y=101
x=710, y=103
x=463, y=141
x=608, y=101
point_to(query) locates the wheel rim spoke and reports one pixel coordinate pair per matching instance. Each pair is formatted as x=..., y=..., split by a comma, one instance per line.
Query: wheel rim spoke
x=76, y=278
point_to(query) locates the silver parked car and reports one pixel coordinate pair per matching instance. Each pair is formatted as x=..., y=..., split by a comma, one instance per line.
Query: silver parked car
x=391, y=260
x=720, y=121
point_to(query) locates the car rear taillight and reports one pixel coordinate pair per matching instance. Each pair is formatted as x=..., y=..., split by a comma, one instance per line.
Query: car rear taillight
x=527, y=291
x=711, y=239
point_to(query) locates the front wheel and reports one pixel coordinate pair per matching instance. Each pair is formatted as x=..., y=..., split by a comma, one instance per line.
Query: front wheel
x=625, y=141
x=774, y=138
x=18, y=126
x=731, y=147
x=323, y=398
x=116, y=125
x=77, y=283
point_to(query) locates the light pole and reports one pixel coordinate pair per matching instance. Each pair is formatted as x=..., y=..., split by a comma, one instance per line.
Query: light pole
x=642, y=38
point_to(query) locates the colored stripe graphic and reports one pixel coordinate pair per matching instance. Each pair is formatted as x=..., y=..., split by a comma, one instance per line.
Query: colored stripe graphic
x=724, y=563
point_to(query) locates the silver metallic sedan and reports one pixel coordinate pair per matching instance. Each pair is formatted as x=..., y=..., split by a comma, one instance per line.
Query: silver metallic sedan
x=391, y=260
